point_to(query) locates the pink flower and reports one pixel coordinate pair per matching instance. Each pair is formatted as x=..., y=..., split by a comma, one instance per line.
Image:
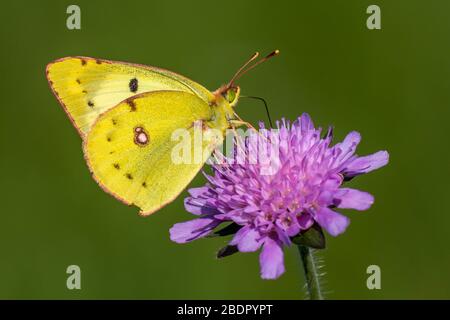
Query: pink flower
x=268, y=210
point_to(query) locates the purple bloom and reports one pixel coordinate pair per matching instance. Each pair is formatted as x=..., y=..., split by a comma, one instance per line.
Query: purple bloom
x=270, y=209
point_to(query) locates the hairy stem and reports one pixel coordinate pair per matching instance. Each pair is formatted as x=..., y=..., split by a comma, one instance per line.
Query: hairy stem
x=312, y=276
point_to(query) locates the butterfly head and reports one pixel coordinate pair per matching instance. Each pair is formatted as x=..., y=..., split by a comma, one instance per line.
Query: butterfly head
x=227, y=96
x=231, y=92
x=225, y=99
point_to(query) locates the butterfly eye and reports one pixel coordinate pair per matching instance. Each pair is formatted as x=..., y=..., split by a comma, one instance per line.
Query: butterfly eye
x=230, y=95
x=141, y=137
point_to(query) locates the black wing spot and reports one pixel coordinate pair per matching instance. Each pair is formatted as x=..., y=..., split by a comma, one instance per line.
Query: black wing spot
x=117, y=166
x=84, y=91
x=83, y=62
x=78, y=81
x=114, y=121
x=90, y=104
x=132, y=105
x=129, y=176
x=133, y=85
x=144, y=184
x=108, y=139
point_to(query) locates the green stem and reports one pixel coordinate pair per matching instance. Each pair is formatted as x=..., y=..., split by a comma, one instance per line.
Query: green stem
x=311, y=273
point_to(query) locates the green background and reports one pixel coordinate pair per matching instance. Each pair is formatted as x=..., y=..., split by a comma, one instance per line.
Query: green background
x=392, y=85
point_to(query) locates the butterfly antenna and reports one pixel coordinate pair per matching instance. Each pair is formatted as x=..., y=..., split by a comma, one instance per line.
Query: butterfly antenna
x=236, y=75
x=242, y=70
x=265, y=105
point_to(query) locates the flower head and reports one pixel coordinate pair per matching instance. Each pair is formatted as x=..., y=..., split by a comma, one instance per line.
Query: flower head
x=270, y=209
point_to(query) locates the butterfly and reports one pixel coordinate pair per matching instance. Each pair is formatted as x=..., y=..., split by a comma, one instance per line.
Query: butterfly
x=126, y=113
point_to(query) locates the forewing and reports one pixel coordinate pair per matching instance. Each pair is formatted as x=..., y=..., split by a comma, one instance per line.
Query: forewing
x=87, y=87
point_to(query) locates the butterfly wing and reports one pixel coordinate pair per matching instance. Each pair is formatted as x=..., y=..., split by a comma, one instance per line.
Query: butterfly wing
x=87, y=87
x=130, y=148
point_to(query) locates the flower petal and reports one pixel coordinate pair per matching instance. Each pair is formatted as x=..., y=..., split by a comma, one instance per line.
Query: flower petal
x=198, y=206
x=306, y=123
x=333, y=182
x=196, y=192
x=347, y=198
x=247, y=239
x=325, y=198
x=293, y=229
x=271, y=260
x=366, y=164
x=348, y=146
x=191, y=230
x=305, y=221
x=331, y=221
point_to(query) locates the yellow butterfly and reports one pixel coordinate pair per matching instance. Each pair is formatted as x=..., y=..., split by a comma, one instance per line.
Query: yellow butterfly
x=126, y=113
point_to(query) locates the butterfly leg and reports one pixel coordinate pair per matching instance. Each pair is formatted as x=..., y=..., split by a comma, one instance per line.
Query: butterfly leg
x=249, y=125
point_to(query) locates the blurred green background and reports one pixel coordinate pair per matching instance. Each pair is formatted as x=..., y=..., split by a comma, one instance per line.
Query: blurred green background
x=392, y=85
